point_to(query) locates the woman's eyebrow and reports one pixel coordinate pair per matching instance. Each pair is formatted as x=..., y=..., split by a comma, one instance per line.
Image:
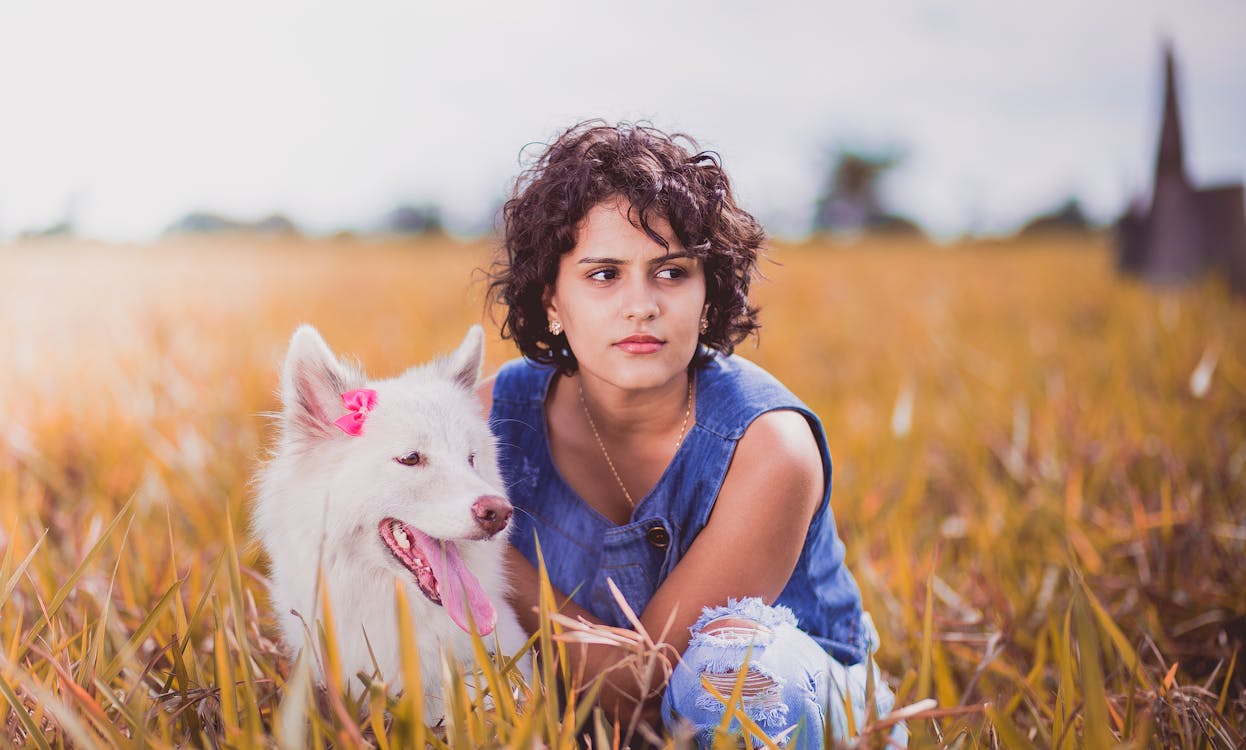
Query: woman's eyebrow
x=618, y=262
x=668, y=256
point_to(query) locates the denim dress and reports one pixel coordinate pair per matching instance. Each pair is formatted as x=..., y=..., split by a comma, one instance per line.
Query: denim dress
x=582, y=549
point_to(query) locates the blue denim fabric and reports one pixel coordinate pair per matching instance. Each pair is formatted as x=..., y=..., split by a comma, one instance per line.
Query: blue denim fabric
x=794, y=686
x=582, y=548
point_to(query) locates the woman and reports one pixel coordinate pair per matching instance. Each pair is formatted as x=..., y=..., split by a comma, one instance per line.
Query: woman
x=637, y=449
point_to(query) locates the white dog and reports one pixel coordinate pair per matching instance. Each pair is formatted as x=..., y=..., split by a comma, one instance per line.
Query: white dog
x=374, y=481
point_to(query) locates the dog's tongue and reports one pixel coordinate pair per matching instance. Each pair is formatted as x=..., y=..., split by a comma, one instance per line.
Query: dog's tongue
x=461, y=591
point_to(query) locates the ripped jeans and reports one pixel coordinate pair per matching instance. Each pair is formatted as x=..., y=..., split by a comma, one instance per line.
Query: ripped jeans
x=791, y=690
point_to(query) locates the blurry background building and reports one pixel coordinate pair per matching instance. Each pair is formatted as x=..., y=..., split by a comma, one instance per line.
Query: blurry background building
x=1186, y=231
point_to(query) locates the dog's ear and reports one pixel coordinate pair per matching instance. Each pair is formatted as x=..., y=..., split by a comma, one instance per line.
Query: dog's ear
x=465, y=364
x=312, y=383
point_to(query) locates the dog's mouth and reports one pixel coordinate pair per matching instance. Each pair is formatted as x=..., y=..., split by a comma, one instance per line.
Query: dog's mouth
x=441, y=575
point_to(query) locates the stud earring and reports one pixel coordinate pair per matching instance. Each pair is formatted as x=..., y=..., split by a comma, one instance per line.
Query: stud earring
x=705, y=323
x=555, y=327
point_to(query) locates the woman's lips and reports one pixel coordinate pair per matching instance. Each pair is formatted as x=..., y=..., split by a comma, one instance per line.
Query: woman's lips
x=640, y=344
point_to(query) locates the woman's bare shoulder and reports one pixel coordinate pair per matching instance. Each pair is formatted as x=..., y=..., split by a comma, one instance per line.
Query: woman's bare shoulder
x=783, y=435
x=778, y=452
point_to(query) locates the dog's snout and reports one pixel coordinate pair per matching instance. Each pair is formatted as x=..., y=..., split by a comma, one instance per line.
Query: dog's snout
x=492, y=513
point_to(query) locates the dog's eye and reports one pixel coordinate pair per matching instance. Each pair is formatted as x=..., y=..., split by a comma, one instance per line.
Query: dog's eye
x=471, y=460
x=414, y=458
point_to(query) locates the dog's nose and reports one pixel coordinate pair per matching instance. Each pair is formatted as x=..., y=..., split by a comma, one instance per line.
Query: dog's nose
x=492, y=513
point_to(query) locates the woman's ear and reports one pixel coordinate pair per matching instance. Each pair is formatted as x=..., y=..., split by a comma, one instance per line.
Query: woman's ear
x=549, y=303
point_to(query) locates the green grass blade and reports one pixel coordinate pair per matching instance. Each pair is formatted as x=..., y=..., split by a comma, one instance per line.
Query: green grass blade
x=1094, y=691
x=140, y=634
x=412, y=670
x=291, y=719
x=925, y=671
x=250, y=704
x=65, y=717
x=546, y=629
x=18, y=710
x=71, y=581
x=206, y=598
x=1009, y=734
x=137, y=727
x=1118, y=638
x=11, y=584
x=1228, y=680
x=1061, y=730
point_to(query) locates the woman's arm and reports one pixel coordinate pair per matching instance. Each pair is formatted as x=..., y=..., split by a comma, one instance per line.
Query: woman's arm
x=749, y=547
x=754, y=536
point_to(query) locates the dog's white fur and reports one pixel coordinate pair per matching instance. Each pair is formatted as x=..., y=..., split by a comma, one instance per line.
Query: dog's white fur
x=324, y=493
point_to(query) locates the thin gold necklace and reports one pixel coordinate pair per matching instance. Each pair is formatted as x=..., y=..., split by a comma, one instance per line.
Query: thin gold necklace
x=678, y=441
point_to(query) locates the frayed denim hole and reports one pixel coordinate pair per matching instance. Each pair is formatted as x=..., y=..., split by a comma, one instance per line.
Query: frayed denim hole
x=749, y=608
x=751, y=633
x=733, y=637
x=761, y=695
x=706, y=653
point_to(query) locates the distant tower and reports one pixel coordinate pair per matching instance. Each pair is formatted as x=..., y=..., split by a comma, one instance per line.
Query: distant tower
x=1174, y=232
x=1187, y=231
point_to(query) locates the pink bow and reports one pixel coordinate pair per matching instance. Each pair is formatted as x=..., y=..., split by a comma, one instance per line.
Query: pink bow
x=360, y=401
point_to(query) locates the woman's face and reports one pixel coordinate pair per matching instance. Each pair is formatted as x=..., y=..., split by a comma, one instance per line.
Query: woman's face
x=630, y=308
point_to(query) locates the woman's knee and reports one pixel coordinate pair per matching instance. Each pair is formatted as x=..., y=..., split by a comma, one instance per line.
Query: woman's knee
x=726, y=670
x=754, y=657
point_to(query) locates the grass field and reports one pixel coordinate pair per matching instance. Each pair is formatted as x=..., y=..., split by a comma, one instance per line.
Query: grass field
x=1040, y=475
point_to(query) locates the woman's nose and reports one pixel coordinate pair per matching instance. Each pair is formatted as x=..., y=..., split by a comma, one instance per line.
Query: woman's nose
x=641, y=302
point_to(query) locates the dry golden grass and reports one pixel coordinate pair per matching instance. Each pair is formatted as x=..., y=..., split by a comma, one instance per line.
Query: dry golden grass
x=1040, y=472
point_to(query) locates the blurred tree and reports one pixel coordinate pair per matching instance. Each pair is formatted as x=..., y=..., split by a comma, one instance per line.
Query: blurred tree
x=1069, y=217
x=414, y=218
x=62, y=228
x=205, y=222
x=66, y=226
x=851, y=198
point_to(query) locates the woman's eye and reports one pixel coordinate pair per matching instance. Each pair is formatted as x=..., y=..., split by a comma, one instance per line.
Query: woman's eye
x=414, y=458
x=603, y=274
x=672, y=272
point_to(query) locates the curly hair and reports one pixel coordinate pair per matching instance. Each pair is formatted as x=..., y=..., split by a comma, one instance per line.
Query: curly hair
x=593, y=162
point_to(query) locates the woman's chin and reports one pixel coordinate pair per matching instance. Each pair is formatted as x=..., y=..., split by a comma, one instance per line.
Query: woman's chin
x=639, y=372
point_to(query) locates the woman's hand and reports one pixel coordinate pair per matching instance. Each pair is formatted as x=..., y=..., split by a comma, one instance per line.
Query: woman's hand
x=622, y=694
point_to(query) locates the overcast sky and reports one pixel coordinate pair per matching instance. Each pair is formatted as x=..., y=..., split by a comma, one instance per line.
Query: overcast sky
x=129, y=114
